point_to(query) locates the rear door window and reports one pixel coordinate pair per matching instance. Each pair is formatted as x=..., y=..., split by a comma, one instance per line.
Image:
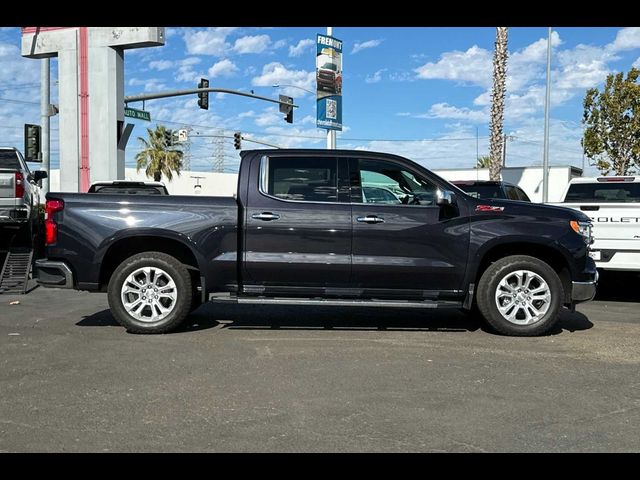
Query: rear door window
x=301, y=179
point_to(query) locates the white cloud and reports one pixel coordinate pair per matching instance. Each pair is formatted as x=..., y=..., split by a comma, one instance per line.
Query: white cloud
x=252, y=44
x=582, y=67
x=444, y=110
x=211, y=41
x=358, y=47
x=223, y=68
x=280, y=43
x=149, y=84
x=186, y=72
x=626, y=39
x=160, y=65
x=376, y=77
x=302, y=46
x=472, y=66
x=276, y=73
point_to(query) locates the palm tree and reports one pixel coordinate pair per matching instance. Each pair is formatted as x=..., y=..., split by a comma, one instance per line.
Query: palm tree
x=484, y=161
x=497, y=102
x=159, y=156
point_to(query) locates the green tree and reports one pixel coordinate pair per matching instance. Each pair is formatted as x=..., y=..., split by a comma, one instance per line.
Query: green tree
x=484, y=161
x=611, y=139
x=159, y=155
x=497, y=102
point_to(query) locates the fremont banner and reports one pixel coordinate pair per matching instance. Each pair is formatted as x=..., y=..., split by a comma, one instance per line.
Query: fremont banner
x=329, y=83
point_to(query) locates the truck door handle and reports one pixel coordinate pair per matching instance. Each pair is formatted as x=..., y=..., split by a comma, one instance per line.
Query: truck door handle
x=370, y=219
x=266, y=216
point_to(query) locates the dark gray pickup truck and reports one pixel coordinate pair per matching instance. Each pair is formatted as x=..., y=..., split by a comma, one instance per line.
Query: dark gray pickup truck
x=301, y=232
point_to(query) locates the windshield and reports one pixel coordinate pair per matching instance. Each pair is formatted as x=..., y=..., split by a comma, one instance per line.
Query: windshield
x=330, y=66
x=604, y=193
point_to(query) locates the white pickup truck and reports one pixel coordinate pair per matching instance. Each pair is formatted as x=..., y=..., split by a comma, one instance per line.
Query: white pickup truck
x=613, y=204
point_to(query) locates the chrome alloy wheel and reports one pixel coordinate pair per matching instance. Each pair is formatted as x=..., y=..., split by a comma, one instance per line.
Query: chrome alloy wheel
x=149, y=294
x=523, y=297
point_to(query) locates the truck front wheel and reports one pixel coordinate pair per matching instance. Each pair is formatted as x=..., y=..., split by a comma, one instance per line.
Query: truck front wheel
x=520, y=296
x=150, y=293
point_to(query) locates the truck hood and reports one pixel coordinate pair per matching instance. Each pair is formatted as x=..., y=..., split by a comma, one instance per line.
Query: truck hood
x=514, y=207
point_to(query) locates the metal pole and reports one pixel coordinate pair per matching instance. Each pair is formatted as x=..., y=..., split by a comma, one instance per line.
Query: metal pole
x=545, y=158
x=331, y=134
x=45, y=121
x=504, y=150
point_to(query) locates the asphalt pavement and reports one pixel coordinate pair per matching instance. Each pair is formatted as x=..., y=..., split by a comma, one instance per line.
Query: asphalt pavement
x=308, y=379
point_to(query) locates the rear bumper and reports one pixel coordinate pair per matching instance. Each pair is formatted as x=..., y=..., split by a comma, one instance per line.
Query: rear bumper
x=53, y=274
x=13, y=215
x=584, y=291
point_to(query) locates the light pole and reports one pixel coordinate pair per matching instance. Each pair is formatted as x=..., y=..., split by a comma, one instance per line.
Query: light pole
x=331, y=134
x=545, y=155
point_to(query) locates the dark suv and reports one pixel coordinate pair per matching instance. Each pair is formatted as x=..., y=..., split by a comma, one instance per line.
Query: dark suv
x=490, y=189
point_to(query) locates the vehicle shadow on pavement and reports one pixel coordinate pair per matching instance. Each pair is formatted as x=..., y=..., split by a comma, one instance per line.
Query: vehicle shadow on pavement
x=261, y=317
x=250, y=317
x=333, y=317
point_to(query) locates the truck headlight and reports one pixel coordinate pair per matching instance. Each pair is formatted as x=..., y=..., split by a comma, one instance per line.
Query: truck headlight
x=583, y=229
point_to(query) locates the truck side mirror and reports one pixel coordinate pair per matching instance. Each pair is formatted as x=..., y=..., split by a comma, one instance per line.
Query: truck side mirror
x=39, y=175
x=445, y=198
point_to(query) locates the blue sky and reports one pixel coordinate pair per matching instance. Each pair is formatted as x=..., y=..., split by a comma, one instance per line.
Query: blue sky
x=419, y=92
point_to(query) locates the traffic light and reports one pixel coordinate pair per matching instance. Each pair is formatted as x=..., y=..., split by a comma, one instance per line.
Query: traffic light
x=168, y=138
x=32, y=143
x=203, y=97
x=288, y=109
x=237, y=140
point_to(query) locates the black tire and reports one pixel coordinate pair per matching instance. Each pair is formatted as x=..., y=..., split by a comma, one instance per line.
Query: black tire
x=176, y=270
x=489, y=283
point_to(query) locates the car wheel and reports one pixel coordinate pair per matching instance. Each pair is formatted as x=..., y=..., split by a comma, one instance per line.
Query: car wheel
x=150, y=293
x=520, y=296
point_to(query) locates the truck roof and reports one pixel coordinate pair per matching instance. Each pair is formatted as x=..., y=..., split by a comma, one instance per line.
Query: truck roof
x=607, y=179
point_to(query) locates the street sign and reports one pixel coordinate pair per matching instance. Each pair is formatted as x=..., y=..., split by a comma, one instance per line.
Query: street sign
x=183, y=135
x=139, y=114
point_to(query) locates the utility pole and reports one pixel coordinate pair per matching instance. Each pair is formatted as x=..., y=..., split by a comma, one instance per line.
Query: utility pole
x=331, y=134
x=504, y=150
x=545, y=157
x=218, y=155
x=45, y=120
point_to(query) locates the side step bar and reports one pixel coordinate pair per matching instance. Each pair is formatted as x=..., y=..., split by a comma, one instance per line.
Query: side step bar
x=338, y=302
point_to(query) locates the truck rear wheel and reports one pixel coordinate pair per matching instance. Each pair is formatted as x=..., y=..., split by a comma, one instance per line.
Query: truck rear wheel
x=520, y=296
x=150, y=293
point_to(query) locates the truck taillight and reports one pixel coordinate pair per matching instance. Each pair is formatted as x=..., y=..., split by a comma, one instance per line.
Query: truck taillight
x=50, y=226
x=19, y=185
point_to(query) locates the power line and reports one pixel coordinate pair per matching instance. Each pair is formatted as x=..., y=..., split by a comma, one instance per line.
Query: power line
x=18, y=101
x=267, y=134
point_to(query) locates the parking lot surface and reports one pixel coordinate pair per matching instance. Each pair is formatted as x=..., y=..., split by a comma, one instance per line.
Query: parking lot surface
x=291, y=379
